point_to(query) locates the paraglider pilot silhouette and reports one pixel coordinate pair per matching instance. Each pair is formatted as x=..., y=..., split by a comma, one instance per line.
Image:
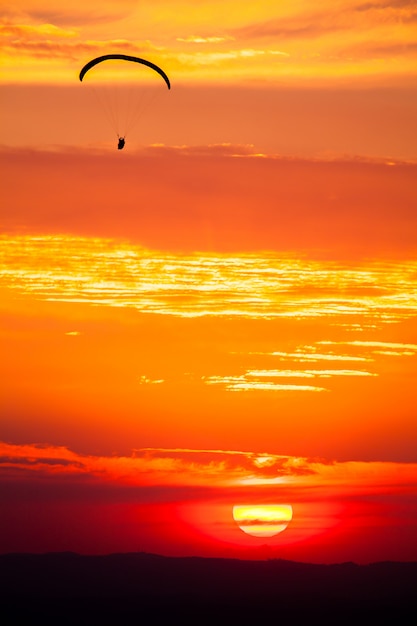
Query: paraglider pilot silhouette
x=123, y=57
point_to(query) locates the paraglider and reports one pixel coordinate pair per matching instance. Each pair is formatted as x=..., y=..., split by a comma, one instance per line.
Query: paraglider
x=110, y=101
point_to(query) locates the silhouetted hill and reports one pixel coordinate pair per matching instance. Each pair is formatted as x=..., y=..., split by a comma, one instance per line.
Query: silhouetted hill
x=66, y=588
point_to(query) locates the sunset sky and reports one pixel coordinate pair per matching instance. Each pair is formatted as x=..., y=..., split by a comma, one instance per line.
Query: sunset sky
x=224, y=313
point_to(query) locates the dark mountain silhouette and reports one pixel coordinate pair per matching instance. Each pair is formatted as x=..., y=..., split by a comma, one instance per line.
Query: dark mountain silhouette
x=67, y=588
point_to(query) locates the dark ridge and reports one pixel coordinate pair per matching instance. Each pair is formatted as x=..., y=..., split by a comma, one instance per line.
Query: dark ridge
x=68, y=588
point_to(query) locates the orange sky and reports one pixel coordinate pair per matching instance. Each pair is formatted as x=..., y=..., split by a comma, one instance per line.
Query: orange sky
x=224, y=312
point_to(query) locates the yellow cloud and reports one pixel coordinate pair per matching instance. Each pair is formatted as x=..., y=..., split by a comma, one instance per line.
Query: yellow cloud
x=244, y=383
x=252, y=286
x=199, y=39
x=20, y=32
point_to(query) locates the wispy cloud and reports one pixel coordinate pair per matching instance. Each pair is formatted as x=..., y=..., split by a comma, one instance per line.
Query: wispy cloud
x=295, y=27
x=149, y=466
x=48, y=40
x=217, y=57
x=385, y=348
x=266, y=379
x=354, y=18
x=248, y=382
x=308, y=354
x=319, y=373
x=108, y=273
x=31, y=32
x=220, y=469
x=355, y=351
x=104, y=12
x=144, y=380
x=375, y=344
x=201, y=39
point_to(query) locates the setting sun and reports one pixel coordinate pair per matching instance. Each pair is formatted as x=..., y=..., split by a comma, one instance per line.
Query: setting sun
x=264, y=520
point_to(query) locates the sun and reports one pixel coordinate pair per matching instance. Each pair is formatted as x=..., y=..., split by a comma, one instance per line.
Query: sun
x=262, y=520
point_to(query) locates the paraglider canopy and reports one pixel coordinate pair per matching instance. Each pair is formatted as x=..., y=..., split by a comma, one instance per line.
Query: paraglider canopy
x=124, y=57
